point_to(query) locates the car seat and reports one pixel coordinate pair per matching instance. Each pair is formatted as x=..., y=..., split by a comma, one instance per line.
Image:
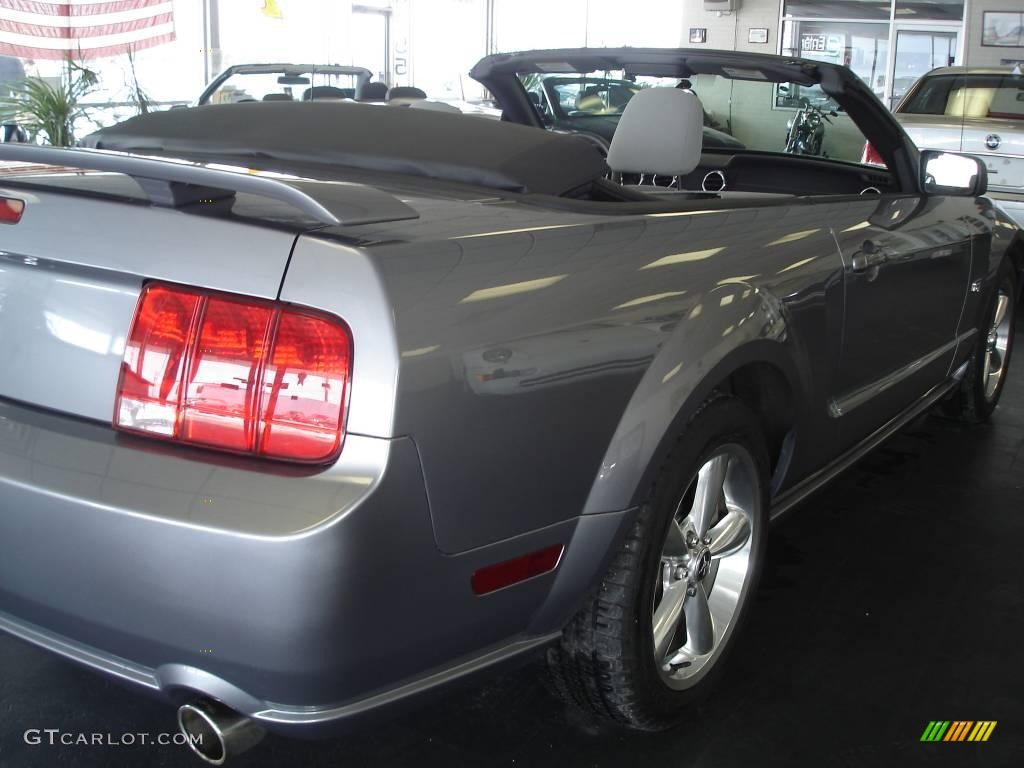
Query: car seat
x=318, y=92
x=372, y=92
x=406, y=92
x=661, y=132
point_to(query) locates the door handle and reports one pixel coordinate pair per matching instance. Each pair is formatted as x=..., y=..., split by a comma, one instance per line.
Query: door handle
x=869, y=256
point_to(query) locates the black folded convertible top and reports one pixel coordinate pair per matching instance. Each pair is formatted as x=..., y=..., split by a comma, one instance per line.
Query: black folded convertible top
x=459, y=148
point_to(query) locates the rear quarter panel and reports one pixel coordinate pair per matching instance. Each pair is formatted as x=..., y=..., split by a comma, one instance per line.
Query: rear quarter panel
x=543, y=362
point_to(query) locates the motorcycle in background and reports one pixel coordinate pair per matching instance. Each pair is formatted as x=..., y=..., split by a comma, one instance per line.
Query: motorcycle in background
x=806, y=131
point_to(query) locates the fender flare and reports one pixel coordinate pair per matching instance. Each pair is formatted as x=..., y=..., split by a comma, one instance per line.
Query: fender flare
x=730, y=333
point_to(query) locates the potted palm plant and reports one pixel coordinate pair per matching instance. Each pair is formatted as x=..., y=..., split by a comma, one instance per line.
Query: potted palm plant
x=47, y=111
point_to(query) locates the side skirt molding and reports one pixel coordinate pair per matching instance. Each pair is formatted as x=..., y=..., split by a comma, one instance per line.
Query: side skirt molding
x=841, y=406
x=798, y=493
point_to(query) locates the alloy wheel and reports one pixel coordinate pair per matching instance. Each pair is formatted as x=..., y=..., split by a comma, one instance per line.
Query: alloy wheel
x=997, y=343
x=705, y=564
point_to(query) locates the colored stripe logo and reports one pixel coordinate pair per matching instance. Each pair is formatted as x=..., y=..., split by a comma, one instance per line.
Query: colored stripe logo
x=958, y=730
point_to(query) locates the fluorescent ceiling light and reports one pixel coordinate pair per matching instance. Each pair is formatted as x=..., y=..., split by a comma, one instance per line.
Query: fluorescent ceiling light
x=511, y=289
x=793, y=237
x=649, y=299
x=682, y=258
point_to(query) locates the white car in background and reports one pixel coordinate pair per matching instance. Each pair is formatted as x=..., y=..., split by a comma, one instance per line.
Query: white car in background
x=975, y=110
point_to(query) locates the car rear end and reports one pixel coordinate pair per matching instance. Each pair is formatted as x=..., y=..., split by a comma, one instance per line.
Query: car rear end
x=978, y=112
x=200, y=488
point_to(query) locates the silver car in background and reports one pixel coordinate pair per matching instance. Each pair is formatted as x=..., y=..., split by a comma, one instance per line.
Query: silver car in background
x=975, y=110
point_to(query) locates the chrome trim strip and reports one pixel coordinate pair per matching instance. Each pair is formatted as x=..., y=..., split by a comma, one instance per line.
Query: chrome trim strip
x=89, y=657
x=306, y=716
x=840, y=406
x=825, y=475
x=177, y=172
x=179, y=676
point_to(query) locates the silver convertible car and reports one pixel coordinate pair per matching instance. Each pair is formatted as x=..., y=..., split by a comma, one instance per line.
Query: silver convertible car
x=307, y=409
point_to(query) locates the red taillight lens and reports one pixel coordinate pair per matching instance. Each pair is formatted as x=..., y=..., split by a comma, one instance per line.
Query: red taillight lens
x=871, y=156
x=149, y=393
x=11, y=210
x=221, y=390
x=235, y=374
x=306, y=381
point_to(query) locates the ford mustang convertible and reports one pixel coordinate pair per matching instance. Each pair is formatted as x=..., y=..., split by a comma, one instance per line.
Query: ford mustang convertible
x=307, y=409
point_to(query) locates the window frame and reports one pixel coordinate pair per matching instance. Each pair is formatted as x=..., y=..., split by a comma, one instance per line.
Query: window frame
x=894, y=23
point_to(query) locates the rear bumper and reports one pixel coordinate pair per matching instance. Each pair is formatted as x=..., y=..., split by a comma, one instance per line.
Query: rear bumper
x=299, y=600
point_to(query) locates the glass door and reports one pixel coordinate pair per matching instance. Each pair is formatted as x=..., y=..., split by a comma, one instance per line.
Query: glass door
x=919, y=50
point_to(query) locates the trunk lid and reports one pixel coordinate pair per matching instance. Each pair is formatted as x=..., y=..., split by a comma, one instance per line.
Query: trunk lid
x=71, y=271
x=999, y=143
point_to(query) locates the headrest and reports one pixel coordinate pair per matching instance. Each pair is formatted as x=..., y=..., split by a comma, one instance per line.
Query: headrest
x=661, y=131
x=405, y=92
x=277, y=97
x=372, y=92
x=435, y=106
x=327, y=92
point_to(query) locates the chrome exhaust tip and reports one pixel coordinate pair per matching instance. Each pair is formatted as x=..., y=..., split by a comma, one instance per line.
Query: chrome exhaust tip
x=215, y=732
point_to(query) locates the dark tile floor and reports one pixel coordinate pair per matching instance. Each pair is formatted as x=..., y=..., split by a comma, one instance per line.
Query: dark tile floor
x=893, y=598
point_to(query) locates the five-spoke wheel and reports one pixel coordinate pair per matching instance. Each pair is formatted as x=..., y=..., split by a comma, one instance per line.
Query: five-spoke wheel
x=997, y=343
x=704, y=565
x=654, y=635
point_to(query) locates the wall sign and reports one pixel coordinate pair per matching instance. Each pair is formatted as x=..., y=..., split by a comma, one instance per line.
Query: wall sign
x=698, y=34
x=757, y=35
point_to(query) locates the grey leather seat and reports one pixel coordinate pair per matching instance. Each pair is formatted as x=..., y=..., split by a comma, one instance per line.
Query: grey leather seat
x=405, y=93
x=372, y=92
x=435, y=106
x=661, y=132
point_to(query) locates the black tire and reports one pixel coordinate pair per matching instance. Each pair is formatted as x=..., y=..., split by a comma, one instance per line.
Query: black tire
x=605, y=660
x=971, y=403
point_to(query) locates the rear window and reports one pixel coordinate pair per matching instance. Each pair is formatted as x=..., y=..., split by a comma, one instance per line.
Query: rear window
x=994, y=96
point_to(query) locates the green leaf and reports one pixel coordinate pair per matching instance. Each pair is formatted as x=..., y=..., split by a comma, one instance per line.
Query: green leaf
x=47, y=110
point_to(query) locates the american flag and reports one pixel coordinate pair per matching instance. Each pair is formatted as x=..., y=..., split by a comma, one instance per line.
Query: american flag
x=33, y=29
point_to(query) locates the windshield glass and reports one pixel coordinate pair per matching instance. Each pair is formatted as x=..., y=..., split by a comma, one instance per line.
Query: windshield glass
x=986, y=96
x=739, y=114
x=297, y=87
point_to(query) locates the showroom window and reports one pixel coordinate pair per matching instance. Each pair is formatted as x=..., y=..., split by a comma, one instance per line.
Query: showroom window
x=888, y=44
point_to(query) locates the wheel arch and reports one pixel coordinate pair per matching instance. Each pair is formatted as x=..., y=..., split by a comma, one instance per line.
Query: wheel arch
x=754, y=361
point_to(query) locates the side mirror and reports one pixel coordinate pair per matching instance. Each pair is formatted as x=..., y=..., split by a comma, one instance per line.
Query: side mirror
x=947, y=173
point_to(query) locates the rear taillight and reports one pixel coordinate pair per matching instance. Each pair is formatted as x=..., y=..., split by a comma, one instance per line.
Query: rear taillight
x=871, y=156
x=235, y=374
x=11, y=210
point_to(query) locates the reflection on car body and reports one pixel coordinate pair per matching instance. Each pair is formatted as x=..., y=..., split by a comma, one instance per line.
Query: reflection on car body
x=979, y=110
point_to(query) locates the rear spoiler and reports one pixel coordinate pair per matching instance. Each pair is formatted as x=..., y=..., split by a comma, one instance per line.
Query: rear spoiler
x=173, y=183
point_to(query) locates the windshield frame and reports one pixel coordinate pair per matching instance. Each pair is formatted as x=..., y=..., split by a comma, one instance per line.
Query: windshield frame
x=361, y=75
